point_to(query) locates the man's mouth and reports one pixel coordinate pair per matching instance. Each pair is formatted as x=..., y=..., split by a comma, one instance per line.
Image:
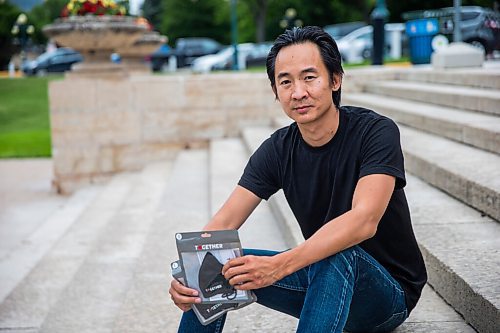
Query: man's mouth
x=302, y=108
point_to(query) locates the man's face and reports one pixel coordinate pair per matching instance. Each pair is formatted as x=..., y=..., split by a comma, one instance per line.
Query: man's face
x=303, y=85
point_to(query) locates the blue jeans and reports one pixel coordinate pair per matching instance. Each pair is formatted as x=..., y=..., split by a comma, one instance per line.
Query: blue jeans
x=349, y=291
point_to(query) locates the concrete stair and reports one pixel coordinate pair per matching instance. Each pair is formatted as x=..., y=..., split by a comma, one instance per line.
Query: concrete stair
x=450, y=132
x=470, y=77
x=460, y=97
x=471, y=128
x=100, y=263
x=106, y=269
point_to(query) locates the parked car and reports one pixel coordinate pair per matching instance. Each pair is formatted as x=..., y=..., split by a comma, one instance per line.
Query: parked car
x=57, y=61
x=258, y=55
x=337, y=31
x=185, y=51
x=357, y=46
x=479, y=26
x=222, y=60
x=188, y=49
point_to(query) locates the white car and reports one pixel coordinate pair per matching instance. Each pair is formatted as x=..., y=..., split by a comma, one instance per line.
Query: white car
x=222, y=59
x=357, y=46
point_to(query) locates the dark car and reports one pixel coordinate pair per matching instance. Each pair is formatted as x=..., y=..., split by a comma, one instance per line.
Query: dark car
x=57, y=61
x=479, y=26
x=188, y=49
x=258, y=55
x=185, y=51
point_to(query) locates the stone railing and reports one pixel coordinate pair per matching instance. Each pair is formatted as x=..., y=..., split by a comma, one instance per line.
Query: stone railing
x=101, y=126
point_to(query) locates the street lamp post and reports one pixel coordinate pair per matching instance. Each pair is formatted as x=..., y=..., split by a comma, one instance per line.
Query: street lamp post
x=234, y=34
x=22, y=31
x=379, y=17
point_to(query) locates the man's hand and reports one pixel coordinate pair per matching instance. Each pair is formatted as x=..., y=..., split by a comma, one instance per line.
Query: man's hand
x=251, y=272
x=183, y=296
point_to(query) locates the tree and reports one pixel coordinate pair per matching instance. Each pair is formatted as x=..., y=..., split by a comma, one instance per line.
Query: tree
x=8, y=16
x=196, y=18
x=258, y=11
x=152, y=10
x=322, y=13
x=43, y=14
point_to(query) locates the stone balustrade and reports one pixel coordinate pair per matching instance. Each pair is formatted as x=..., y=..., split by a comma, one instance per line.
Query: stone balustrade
x=105, y=125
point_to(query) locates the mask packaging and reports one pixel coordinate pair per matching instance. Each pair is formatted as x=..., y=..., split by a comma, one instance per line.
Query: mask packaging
x=202, y=256
x=206, y=313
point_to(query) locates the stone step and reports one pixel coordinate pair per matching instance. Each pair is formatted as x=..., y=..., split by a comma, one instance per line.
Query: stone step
x=460, y=97
x=466, y=173
x=431, y=314
x=17, y=264
x=93, y=297
x=470, y=77
x=460, y=247
x=228, y=158
x=183, y=207
x=27, y=199
x=29, y=303
x=253, y=137
x=472, y=128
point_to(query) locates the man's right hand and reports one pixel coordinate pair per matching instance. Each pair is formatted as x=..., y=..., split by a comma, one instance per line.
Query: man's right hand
x=183, y=296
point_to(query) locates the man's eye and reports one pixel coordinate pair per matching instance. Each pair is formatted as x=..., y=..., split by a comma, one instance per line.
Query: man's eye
x=310, y=77
x=284, y=82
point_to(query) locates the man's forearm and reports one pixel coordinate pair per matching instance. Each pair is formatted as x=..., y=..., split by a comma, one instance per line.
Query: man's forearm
x=370, y=201
x=339, y=234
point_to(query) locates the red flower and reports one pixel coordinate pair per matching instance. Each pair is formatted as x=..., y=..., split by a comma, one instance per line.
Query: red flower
x=65, y=12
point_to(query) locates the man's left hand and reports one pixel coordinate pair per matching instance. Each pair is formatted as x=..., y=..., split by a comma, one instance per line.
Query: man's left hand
x=251, y=272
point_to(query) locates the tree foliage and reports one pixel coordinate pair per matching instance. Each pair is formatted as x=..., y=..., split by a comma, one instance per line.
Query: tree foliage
x=153, y=11
x=43, y=14
x=259, y=20
x=8, y=16
x=196, y=18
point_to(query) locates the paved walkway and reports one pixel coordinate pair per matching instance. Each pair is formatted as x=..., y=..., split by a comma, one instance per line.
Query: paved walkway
x=26, y=199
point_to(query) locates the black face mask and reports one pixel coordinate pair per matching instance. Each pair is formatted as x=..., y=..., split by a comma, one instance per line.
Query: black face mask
x=211, y=280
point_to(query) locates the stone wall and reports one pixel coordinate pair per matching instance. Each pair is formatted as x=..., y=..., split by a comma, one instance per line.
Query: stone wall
x=101, y=126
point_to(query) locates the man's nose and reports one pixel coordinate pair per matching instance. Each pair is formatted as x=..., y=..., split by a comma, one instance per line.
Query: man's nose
x=299, y=91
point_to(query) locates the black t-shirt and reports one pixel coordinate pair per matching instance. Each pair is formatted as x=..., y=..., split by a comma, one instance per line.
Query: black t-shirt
x=319, y=184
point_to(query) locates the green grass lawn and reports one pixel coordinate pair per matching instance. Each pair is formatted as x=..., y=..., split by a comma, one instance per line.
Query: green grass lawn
x=24, y=117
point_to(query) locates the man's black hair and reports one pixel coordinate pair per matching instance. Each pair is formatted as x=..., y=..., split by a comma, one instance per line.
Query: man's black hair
x=327, y=47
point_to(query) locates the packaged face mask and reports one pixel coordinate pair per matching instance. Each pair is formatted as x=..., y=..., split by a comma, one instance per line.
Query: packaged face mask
x=202, y=256
x=211, y=280
x=206, y=313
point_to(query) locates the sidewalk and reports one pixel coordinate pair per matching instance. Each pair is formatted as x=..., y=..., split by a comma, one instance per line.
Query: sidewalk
x=26, y=199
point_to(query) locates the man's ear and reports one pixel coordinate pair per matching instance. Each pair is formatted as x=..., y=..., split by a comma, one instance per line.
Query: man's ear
x=275, y=92
x=336, y=82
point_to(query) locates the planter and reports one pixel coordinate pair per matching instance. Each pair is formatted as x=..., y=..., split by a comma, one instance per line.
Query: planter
x=133, y=57
x=95, y=37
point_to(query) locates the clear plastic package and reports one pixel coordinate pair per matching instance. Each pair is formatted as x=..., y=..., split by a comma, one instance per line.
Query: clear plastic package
x=202, y=256
x=206, y=313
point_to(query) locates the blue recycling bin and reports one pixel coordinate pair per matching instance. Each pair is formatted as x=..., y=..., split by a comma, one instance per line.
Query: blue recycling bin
x=420, y=33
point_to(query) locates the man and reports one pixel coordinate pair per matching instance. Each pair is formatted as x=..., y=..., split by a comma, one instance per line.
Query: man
x=342, y=172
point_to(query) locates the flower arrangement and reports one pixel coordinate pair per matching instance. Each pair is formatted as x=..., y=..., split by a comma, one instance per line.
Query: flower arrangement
x=95, y=7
